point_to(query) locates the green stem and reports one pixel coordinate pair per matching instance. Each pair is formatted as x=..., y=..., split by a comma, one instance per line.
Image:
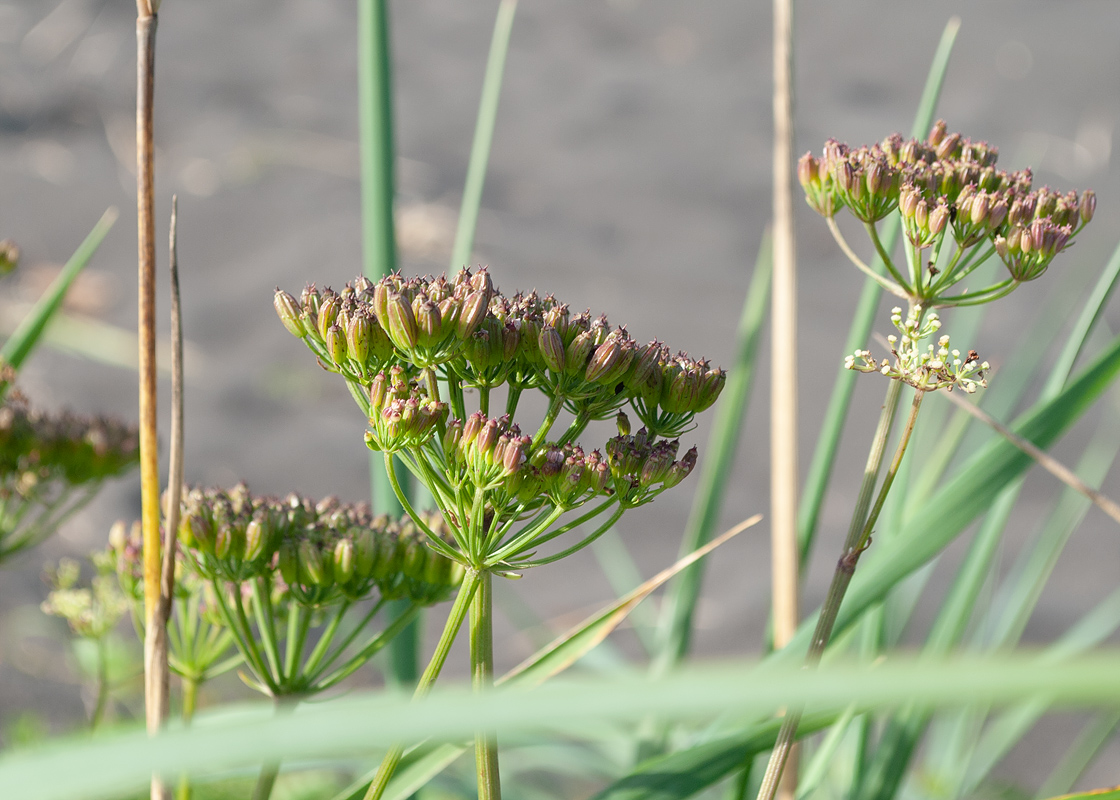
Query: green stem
x=266, y=780
x=327, y=637
x=892, y=470
x=981, y=297
x=102, y=684
x=299, y=620
x=554, y=407
x=890, y=286
x=482, y=678
x=431, y=672
x=873, y=232
x=845, y=568
x=375, y=120
x=190, y=702
x=266, y=622
x=606, y=526
x=370, y=648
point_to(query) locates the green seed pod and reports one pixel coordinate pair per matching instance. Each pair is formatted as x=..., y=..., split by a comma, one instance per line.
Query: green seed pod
x=336, y=344
x=578, y=353
x=415, y=559
x=344, y=561
x=381, y=302
x=471, y=315
x=289, y=562
x=644, y=378
x=402, y=329
x=623, y=423
x=257, y=536
x=288, y=310
x=711, y=384
x=1087, y=206
x=429, y=324
x=365, y=553
x=603, y=361
x=358, y=335
x=479, y=350
x=328, y=313
x=552, y=348
x=196, y=531
x=314, y=570
x=378, y=393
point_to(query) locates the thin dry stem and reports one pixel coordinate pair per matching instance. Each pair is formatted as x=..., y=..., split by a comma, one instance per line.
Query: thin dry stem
x=783, y=395
x=1044, y=459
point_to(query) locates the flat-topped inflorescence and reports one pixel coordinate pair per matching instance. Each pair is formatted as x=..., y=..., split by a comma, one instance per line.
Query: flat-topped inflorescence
x=322, y=551
x=478, y=338
x=946, y=188
x=276, y=568
x=410, y=350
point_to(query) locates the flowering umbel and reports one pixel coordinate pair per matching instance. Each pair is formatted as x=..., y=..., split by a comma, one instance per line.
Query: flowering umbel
x=957, y=211
x=397, y=342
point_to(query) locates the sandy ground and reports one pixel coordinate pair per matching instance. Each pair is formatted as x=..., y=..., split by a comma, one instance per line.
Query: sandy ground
x=630, y=173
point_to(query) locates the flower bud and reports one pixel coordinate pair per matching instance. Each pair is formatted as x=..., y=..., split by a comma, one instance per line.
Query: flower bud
x=644, y=378
x=514, y=454
x=336, y=344
x=808, y=171
x=1087, y=207
x=289, y=562
x=578, y=352
x=979, y=211
x=288, y=310
x=358, y=335
x=681, y=469
x=344, y=566
x=429, y=323
x=328, y=312
x=937, y=133
x=402, y=329
x=256, y=538
x=552, y=348
x=365, y=553
x=603, y=361
x=711, y=384
x=472, y=314
x=471, y=429
x=313, y=569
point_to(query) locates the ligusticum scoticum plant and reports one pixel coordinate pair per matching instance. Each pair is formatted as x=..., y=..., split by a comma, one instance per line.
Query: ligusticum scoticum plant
x=411, y=350
x=957, y=211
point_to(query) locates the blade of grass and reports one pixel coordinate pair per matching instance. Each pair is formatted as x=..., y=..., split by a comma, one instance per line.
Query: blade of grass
x=26, y=336
x=120, y=761
x=680, y=604
x=1009, y=727
x=428, y=760
x=1095, y=794
x=483, y=135
x=1081, y=753
x=824, y=455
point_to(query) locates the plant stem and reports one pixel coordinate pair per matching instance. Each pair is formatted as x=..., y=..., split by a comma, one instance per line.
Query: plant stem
x=431, y=672
x=102, y=685
x=482, y=678
x=554, y=407
x=890, y=286
x=840, y=580
x=266, y=780
x=190, y=702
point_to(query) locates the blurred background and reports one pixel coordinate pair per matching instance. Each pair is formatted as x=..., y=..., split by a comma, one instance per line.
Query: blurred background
x=630, y=174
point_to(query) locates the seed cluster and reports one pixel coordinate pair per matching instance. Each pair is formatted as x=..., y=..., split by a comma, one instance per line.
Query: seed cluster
x=948, y=183
x=323, y=551
x=484, y=339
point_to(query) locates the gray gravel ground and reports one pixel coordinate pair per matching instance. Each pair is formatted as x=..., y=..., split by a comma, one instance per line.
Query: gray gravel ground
x=630, y=173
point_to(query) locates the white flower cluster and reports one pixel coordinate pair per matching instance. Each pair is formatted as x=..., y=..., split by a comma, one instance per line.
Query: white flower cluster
x=929, y=369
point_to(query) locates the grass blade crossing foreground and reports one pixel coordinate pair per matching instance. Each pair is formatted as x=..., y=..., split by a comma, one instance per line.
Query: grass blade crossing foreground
x=232, y=738
x=426, y=760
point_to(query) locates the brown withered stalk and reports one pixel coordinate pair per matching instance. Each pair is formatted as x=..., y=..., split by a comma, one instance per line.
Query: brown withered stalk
x=155, y=638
